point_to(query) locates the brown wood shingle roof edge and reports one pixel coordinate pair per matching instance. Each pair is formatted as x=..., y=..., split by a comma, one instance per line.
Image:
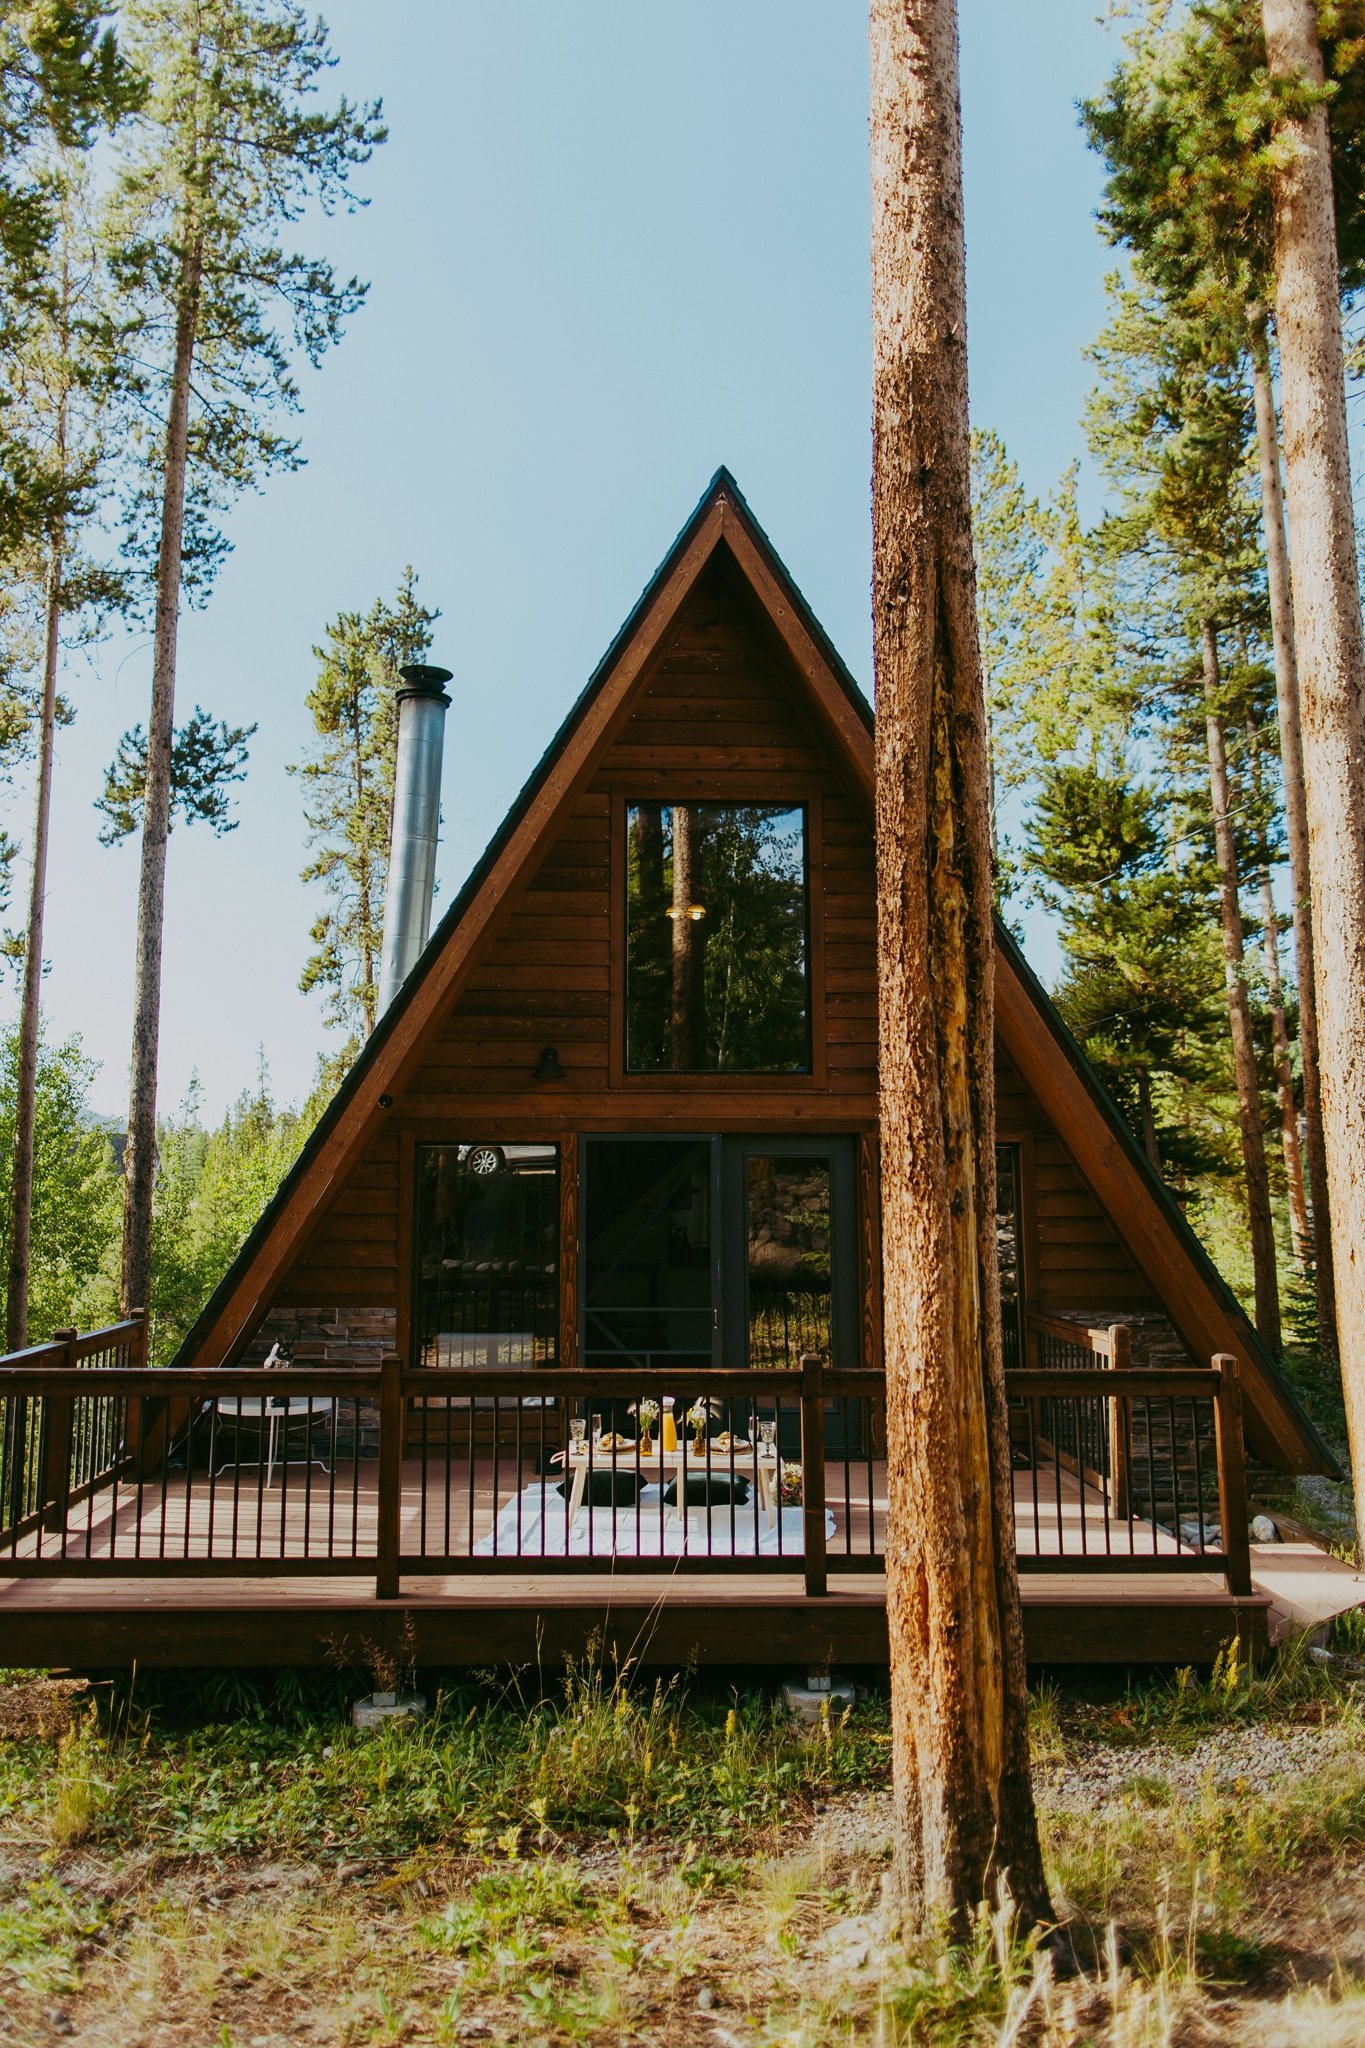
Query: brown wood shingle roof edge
x=1194, y=1295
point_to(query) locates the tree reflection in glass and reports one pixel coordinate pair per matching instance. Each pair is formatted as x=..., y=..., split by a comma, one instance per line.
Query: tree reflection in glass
x=716, y=938
x=787, y=1203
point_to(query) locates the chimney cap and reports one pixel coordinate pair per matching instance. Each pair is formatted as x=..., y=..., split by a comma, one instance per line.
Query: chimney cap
x=422, y=679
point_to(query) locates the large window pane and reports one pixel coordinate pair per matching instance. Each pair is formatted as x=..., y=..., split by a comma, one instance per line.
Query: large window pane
x=647, y=1257
x=787, y=1230
x=487, y=1254
x=716, y=939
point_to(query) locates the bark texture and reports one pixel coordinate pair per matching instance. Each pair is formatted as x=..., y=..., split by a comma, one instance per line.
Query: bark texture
x=30, y=1001
x=1239, y=1011
x=963, y=1795
x=1296, y=822
x=1331, y=651
x=1299, y=1232
x=140, y=1159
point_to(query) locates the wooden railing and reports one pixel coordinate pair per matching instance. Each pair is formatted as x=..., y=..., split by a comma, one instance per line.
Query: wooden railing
x=53, y=1450
x=389, y=1473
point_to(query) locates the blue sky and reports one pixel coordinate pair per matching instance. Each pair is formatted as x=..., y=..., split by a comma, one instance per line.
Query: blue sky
x=610, y=247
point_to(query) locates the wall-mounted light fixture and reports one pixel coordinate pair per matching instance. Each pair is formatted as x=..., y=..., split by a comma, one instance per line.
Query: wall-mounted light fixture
x=547, y=1067
x=695, y=911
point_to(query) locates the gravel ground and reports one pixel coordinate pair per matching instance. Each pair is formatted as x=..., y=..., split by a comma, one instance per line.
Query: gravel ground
x=1252, y=1759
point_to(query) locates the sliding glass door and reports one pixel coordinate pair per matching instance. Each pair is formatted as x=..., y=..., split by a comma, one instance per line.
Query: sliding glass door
x=737, y=1252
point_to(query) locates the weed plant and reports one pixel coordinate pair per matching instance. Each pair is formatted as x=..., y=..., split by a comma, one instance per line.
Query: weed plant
x=226, y=1769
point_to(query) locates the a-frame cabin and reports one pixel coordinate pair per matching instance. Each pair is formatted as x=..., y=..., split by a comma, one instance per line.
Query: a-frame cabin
x=622, y=1118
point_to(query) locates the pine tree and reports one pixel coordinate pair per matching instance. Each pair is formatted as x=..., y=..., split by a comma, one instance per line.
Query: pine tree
x=1186, y=126
x=62, y=79
x=1331, y=643
x=963, y=1798
x=1141, y=966
x=227, y=151
x=62, y=375
x=1170, y=421
x=348, y=794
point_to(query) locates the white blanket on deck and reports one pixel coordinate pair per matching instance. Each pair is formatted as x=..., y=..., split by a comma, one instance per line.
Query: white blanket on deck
x=607, y=1532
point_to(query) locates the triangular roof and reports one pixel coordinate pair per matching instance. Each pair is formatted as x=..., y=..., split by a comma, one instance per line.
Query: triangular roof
x=1199, y=1303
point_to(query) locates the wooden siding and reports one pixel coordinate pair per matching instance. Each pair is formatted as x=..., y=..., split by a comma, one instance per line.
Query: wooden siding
x=1079, y=1260
x=719, y=713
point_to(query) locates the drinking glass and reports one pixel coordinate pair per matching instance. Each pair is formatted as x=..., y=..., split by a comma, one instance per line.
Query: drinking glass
x=597, y=1429
x=578, y=1429
x=768, y=1434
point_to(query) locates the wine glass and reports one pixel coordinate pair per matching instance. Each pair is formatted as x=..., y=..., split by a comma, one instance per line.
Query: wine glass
x=578, y=1429
x=767, y=1433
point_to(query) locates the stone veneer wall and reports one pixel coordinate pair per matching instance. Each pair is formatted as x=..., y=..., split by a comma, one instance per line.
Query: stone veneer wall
x=327, y=1336
x=334, y=1336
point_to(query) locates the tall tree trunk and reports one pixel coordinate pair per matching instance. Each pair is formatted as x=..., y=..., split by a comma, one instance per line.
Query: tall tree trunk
x=1300, y=1235
x=685, y=1007
x=30, y=1005
x=963, y=1797
x=140, y=1158
x=1296, y=818
x=1149, y=1143
x=1239, y=1010
x=1331, y=647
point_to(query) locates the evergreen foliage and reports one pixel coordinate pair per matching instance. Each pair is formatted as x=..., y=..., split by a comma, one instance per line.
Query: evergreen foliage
x=347, y=781
x=62, y=78
x=75, y=1186
x=1142, y=983
x=225, y=152
x=1185, y=127
x=212, y=1185
x=205, y=759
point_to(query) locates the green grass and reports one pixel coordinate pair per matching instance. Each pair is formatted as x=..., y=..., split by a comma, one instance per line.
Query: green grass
x=575, y=1863
x=493, y=1764
x=1182, y=1707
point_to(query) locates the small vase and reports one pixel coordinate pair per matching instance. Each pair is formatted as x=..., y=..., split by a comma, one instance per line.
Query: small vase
x=646, y=1444
x=699, y=1445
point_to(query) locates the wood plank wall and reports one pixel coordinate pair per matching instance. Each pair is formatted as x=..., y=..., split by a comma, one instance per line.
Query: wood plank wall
x=720, y=716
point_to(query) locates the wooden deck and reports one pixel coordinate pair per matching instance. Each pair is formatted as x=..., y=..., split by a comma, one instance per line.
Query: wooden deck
x=668, y=1620
x=308, y=1513
x=173, y=1608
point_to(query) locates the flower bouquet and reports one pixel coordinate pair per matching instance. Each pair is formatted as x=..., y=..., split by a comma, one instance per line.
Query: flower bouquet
x=648, y=1412
x=789, y=1485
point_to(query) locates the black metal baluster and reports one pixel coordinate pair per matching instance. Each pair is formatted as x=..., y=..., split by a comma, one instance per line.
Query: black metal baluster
x=1199, y=1476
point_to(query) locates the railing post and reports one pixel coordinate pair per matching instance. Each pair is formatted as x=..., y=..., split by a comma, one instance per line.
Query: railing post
x=137, y=1341
x=1120, y=1360
x=14, y=1478
x=390, y=1480
x=56, y=1441
x=1232, y=1477
x=812, y=1473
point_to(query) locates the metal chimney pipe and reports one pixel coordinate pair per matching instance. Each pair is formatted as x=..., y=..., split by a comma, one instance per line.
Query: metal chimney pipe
x=422, y=707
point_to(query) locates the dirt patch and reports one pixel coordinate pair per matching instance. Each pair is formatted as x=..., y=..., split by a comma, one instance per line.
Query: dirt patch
x=42, y=1707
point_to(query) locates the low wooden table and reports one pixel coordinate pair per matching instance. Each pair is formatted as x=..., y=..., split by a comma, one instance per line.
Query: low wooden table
x=761, y=1465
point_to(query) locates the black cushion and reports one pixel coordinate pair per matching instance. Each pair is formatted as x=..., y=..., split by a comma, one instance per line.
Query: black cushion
x=716, y=1492
x=607, y=1489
